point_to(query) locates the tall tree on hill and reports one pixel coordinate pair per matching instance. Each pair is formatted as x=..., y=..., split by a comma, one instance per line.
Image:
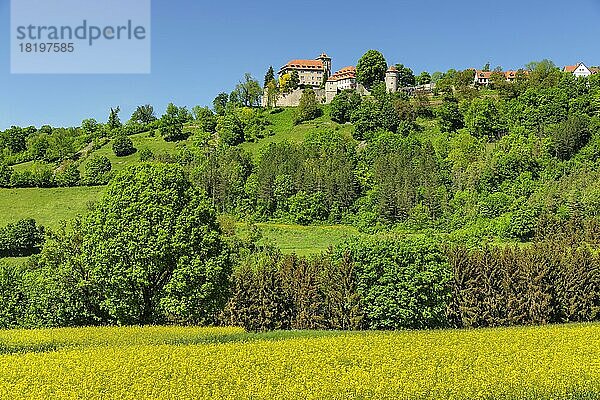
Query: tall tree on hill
x=220, y=103
x=543, y=73
x=289, y=82
x=143, y=114
x=171, y=123
x=272, y=91
x=113, y=118
x=248, y=91
x=424, y=78
x=371, y=68
x=269, y=76
x=406, y=77
x=294, y=80
x=15, y=139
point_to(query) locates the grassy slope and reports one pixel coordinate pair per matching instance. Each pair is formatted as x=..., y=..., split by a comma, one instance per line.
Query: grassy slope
x=50, y=206
x=284, y=129
x=141, y=140
x=47, y=206
x=526, y=363
x=23, y=166
x=305, y=240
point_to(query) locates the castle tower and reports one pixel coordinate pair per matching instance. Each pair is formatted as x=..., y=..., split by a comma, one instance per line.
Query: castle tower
x=391, y=79
x=326, y=63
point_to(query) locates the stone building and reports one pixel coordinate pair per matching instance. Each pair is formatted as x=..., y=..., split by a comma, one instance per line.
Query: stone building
x=310, y=72
x=343, y=79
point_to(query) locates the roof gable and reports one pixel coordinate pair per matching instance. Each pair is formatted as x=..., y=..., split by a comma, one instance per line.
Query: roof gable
x=573, y=68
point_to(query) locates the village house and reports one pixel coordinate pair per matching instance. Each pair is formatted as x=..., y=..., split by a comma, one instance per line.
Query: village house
x=483, y=77
x=581, y=70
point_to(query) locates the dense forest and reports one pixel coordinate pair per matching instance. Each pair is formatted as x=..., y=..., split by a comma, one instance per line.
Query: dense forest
x=480, y=202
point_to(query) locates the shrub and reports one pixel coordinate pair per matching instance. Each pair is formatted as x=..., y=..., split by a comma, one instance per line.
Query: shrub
x=123, y=146
x=21, y=239
x=40, y=174
x=402, y=283
x=68, y=174
x=97, y=171
x=230, y=130
x=12, y=297
x=5, y=174
x=308, y=109
x=146, y=154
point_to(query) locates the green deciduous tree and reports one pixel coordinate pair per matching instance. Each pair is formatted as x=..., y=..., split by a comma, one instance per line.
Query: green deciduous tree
x=406, y=77
x=123, y=146
x=230, y=129
x=309, y=108
x=171, y=123
x=154, y=249
x=248, y=92
x=150, y=251
x=483, y=118
x=220, y=103
x=449, y=114
x=97, y=171
x=143, y=114
x=21, y=239
x=68, y=174
x=90, y=126
x=424, y=78
x=205, y=118
x=371, y=68
x=343, y=104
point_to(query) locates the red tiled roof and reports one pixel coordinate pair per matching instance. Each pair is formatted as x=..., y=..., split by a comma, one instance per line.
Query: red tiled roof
x=483, y=74
x=344, y=73
x=304, y=64
x=488, y=74
x=392, y=69
x=570, y=68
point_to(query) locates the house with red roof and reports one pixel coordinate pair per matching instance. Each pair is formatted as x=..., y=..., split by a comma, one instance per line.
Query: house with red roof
x=580, y=70
x=483, y=78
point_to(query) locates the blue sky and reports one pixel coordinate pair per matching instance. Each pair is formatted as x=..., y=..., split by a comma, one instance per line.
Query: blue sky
x=202, y=48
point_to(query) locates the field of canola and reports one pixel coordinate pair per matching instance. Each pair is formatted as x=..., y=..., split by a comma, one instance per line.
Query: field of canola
x=552, y=362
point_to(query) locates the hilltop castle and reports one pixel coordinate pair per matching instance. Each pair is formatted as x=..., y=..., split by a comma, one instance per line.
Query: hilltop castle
x=312, y=73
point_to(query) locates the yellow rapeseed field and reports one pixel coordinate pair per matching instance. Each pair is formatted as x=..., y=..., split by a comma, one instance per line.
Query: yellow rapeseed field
x=551, y=362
